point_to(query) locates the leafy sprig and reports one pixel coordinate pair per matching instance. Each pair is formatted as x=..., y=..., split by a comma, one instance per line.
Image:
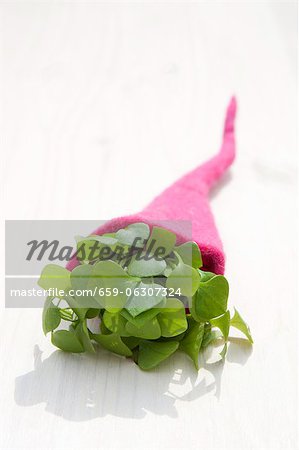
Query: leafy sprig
x=149, y=306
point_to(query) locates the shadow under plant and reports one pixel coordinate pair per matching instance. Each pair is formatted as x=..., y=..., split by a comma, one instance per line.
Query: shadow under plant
x=83, y=387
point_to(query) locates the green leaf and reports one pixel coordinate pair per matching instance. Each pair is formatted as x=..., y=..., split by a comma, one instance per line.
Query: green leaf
x=132, y=232
x=190, y=254
x=76, y=305
x=113, y=343
x=150, y=330
x=209, y=337
x=211, y=298
x=223, y=351
x=153, y=353
x=106, y=240
x=115, y=322
x=131, y=341
x=80, y=278
x=108, y=275
x=172, y=318
x=82, y=333
x=160, y=239
x=185, y=278
x=146, y=295
x=66, y=314
x=241, y=325
x=89, y=250
x=51, y=316
x=140, y=320
x=171, y=265
x=103, y=328
x=205, y=276
x=92, y=313
x=109, y=270
x=222, y=322
x=177, y=338
x=86, y=251
x=146, y=267
x=54, y=276
x=67, y=341
x=192, y=310
x=192, y=341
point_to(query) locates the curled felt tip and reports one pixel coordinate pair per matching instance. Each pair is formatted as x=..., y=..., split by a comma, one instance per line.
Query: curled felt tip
x=212, y=170
x=187, y=200
x=229, y=125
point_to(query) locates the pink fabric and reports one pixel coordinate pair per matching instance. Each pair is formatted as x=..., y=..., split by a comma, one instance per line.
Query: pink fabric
x=187, y=199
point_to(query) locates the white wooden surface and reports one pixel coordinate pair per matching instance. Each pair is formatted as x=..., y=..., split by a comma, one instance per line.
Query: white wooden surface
x=94, y=92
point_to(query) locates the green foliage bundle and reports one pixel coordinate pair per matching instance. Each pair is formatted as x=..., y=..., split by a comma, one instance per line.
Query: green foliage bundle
x=150, y=295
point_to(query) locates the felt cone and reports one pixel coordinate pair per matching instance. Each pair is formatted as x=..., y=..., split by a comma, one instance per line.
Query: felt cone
x=188, y=200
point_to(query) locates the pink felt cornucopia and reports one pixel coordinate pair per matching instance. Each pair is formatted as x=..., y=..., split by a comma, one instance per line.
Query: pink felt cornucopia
x=188, y=200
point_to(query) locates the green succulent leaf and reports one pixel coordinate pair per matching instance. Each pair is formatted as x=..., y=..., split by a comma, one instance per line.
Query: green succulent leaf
x=109, y=270
x=150, y=330
x=82, y=334
x=241, y=325
x=211, y=298
x=77, y=305
x=106, y=276
x=223, y=351
x=151, y=354
x=51, y=316
x=106, y=240
x=192, y=309
x=146, y=295
x=141, y=267
x=135, y=234
x=140, y=320
x=131, y=341
x=115, y=322
x=86, y=251
x=103, y=328
x=171, y=265
x=113, y=343
x=205, y=276
x=190, y=254
x=172, y=318
x=66, y=314
x=92, y=313
x=160, y=239
x=89, y=248
x=192, y=341
x=80, y=278
x=210, y=336
x=184, y=278
x=67, y=341
x=223, y=323
x=54, y=276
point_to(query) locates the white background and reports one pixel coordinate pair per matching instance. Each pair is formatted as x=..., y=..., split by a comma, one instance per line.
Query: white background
x=104, y=105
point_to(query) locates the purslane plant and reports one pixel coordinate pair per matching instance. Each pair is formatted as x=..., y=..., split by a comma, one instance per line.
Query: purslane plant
x=150, y=295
